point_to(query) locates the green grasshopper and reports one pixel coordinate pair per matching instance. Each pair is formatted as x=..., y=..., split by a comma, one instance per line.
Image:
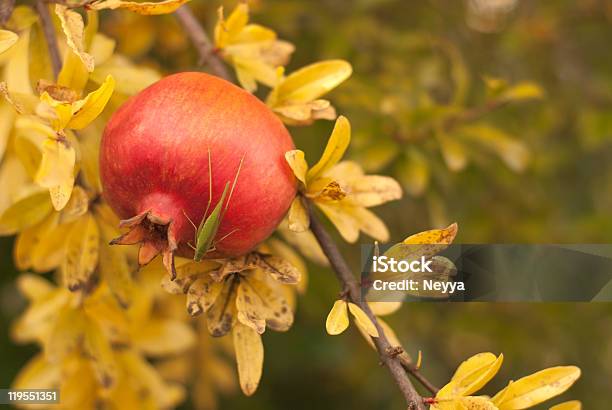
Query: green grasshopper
x=207, y=230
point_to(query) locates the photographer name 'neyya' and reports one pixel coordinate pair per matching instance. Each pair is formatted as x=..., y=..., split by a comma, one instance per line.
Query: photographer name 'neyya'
x=421, y=266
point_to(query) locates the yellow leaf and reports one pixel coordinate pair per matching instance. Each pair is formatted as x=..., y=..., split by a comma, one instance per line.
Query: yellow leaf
x=342, y=220
x=144, y=8
x=73, y=26
x=73, y=74
x=453, y=152
x=249, y=357
x=37, y=374
x=24, y=213
x=476, y=403
x=536, y=388
x=337, y=319
x=66, y=333
x=114, y=268
x=296, y=161
x=413, y=172
x=56, y=171
x=49, y=253
x=443, y=236
x=310, y=82
x=92, y=105
x=16, y=73
x=227, y=30
x=250, y=70
x=373, y=190
x=34, y=287
x=82, y=248
x=161, y=337
x=523, y=91
x=512, y=151
x=29, y=239
x=363, y=320
x=148, y=382
x=7, y=40
x=129, y=79
x=76, y=207
x=299, y=220
x=336, y=146
x=472, y=375
x=7, y=116
x=98, y=348
x=384, y=308
x=568, y=405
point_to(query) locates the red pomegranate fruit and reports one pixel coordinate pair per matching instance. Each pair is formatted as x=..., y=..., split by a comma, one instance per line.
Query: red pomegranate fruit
x=154, y=166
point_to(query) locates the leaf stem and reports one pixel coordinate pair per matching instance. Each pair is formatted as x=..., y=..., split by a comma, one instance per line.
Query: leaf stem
x=350, y=284
x=201, y=42
x=49, y=32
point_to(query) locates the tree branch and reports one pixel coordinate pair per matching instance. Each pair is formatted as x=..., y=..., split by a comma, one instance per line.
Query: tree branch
x=49, y=32
x=351, y=286
x=207, y=56
x=414, y=371
x=201, y=42
x=453, y=120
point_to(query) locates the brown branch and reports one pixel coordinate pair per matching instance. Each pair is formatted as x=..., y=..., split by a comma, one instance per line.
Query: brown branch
x=201, y=42
x=49, y=32
x=453, y=120
x=353, y=291
x=207, y=56
x=414, y=371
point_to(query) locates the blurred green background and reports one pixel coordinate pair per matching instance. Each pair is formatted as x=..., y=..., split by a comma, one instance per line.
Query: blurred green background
x=564, y=195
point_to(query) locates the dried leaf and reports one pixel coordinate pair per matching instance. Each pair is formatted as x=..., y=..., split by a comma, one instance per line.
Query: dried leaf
x=73, y=26
x=251, y=307
x=144, y=8
x=337, y=319
x=279, y=268
x=249, y=357
x=222, y=314
x=202, y=294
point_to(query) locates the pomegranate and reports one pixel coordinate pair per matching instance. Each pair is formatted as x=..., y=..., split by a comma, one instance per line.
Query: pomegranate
x=154, y=167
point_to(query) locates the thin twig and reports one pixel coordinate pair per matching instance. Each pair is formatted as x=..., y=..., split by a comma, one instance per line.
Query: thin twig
x=452, y=121
x=49, y=32
x=202, y=43
x=351, y=286
x=412, y=369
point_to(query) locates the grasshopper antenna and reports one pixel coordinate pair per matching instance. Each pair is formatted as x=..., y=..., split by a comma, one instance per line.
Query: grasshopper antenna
x=229, y=198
